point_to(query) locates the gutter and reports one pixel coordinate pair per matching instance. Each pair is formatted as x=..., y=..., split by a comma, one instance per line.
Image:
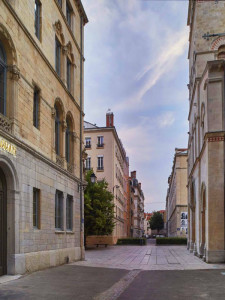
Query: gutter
x=81, y=143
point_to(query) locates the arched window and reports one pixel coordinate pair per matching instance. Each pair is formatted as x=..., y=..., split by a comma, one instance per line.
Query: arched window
x=3, y=70
x=69, y=145
x=58, y=130
x=221, y=52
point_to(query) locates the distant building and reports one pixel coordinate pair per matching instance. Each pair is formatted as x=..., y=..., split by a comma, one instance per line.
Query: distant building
x=176, y=200
x=130, y=208
x=138, y=229
x=147, y=226
x=107, y=157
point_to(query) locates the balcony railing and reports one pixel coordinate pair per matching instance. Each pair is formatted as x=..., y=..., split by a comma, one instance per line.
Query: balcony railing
x=100, y=145
x=5, y=123
x=88, y=146
x=100, y=168
x=69, y=167
x=87, y=168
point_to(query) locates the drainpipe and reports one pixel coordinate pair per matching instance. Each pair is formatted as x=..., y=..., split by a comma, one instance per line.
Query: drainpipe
x=81, y=140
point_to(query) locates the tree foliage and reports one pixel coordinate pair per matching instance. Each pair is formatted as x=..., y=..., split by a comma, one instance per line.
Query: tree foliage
x=156, y=221
x=98, y=208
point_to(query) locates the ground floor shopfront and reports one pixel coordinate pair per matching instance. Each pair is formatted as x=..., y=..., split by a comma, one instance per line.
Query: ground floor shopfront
x=39, y=211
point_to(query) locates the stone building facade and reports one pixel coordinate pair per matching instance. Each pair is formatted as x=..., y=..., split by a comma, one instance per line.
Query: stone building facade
x=107, y=158
x=41, y=110
x=206, y=170
x=138, y=230
x=176, y=200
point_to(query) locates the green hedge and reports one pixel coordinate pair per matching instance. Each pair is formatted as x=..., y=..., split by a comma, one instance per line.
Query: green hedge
x=132, y=241
x=171, y=241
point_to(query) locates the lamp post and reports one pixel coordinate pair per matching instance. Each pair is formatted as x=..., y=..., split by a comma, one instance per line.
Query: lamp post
x=93, y=178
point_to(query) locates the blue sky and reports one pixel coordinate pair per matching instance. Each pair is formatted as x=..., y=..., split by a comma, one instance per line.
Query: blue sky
x=136, y=65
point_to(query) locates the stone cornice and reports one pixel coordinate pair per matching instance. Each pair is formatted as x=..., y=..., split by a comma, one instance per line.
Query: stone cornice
x=81, y=10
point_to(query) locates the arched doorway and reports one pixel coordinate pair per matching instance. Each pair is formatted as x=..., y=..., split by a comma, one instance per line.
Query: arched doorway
x=3, y=224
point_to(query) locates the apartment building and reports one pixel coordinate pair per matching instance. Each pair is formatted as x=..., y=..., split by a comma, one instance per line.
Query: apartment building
x=176, y=200
x=130, y=208
x=206, y=170
x=138, y=230
x=41, y=127
x=107, y=157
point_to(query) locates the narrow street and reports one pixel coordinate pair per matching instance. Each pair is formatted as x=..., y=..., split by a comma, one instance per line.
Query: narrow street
x=124, y=272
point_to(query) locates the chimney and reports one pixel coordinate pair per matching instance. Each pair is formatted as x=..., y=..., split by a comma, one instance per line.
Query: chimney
x=139, y=185
x=109, y=119
x=133, y=174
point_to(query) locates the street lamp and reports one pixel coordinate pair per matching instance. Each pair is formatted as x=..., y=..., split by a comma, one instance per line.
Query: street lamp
x=115, y=186
x=93, y=178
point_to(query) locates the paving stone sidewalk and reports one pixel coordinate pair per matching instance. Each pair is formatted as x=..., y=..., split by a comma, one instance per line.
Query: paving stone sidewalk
x=150, y=257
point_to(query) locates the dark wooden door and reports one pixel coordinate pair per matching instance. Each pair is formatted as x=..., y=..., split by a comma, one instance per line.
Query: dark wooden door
x=3, y=222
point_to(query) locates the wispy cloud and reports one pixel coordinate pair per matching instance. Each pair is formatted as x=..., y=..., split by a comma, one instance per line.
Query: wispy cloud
x=161, y=66
x=136, y=64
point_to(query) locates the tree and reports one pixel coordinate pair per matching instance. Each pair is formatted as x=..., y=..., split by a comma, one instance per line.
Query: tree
x=156, y=221
x=98, y=208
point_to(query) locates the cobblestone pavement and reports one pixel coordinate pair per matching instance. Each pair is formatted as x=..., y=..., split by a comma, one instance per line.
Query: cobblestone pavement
x=150, y=257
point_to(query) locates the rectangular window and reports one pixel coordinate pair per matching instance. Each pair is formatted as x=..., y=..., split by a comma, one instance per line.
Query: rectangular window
x=60, y=3
x=87, y=142
x=88, y=163
x=36, y=208
x=36, y=105
x=100, y=141
x=69, y=212
x=100, y=163
x=68, y=74
x=69, y=12
x=37, y=22
x=59, y=210
x=57, y=56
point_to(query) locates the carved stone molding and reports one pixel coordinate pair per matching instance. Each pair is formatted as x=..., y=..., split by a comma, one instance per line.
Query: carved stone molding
x=53, y=112
x=5, y=123
x=15, y=72
x=65, y=50
x=74, y=136
x=58, y=27
x=64, y=125
x=60, y=161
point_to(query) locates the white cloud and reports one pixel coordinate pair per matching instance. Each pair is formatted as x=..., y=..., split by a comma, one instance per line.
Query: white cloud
x=166, y=119
x=162, y=65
